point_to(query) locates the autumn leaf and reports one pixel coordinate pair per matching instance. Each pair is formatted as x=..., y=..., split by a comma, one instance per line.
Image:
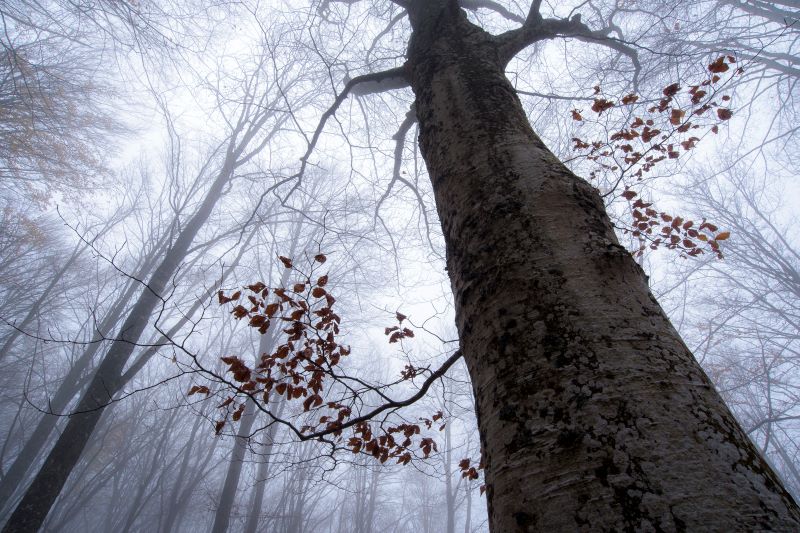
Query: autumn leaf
x=724, y=113
x=320, y=258
x=697, y=96
x=711, y=227
x=671, y=90
x=718, y=65
x=629, y=99
x=601, y=104
x=255, y=287
x=723, y=236
x=649, y=134
x=576, y=115
x=318, y=292
x=286, y=261
x=689, y=143
x=676, y=116
x=226, y=403
x=628, y=194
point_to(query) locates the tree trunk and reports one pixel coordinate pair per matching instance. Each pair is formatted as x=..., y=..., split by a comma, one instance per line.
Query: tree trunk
x=142, y=494
x=593, y=414
x=257, y=500
x=46, y=486
x=71, y=385
x=450, y=492
x=39, y=303
x=222, y=515
x=186, y=484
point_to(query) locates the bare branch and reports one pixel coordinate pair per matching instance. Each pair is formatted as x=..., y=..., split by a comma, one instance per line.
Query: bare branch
x=537, y=29
x=474, y=5
x=360, y=85
x=435, y=375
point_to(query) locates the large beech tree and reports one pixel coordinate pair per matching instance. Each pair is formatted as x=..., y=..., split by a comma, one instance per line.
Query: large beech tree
x=593, y=414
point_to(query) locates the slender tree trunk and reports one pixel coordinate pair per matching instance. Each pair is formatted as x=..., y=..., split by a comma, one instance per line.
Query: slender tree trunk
x=178, y=496
x=257, y=500
x=71, y=385
x=142, y=494
x=593, y=414
x=468, y=516
x=222, y=515
x=450, y=493
x=38, y=304
x=32, y=510
x=372, y=500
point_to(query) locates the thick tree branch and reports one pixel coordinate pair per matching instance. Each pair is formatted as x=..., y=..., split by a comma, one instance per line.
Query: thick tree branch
x=537, y=29
x=535, y=13
x=491, y=5
x=321, y=434
x=360, y=85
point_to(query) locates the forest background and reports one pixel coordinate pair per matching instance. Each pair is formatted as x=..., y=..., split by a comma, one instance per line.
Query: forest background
x=153, y=154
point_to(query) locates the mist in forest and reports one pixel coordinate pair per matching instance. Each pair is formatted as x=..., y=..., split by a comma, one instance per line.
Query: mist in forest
x=225, y=296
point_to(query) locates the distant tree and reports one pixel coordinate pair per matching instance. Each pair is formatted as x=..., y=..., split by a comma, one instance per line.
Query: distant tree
x=252, y=124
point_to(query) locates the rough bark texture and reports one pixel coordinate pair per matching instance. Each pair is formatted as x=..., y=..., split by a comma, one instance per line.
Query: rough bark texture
x=593, y=414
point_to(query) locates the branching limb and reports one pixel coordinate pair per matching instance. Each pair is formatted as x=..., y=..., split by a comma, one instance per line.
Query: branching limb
x=360, y=85
x=324, y=6
x=536, y=28
x=474, y=5
x=431, y=379
x=399, y=139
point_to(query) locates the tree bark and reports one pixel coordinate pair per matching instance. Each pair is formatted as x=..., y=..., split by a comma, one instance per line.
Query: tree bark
x=593, y=414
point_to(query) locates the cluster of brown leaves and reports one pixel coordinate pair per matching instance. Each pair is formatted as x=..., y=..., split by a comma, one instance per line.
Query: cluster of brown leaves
x=657, y=228
x=298, y=368
x=663, y=131
x=661, y=134
x=471, y=472
x=393, y=441
x=303, y=365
